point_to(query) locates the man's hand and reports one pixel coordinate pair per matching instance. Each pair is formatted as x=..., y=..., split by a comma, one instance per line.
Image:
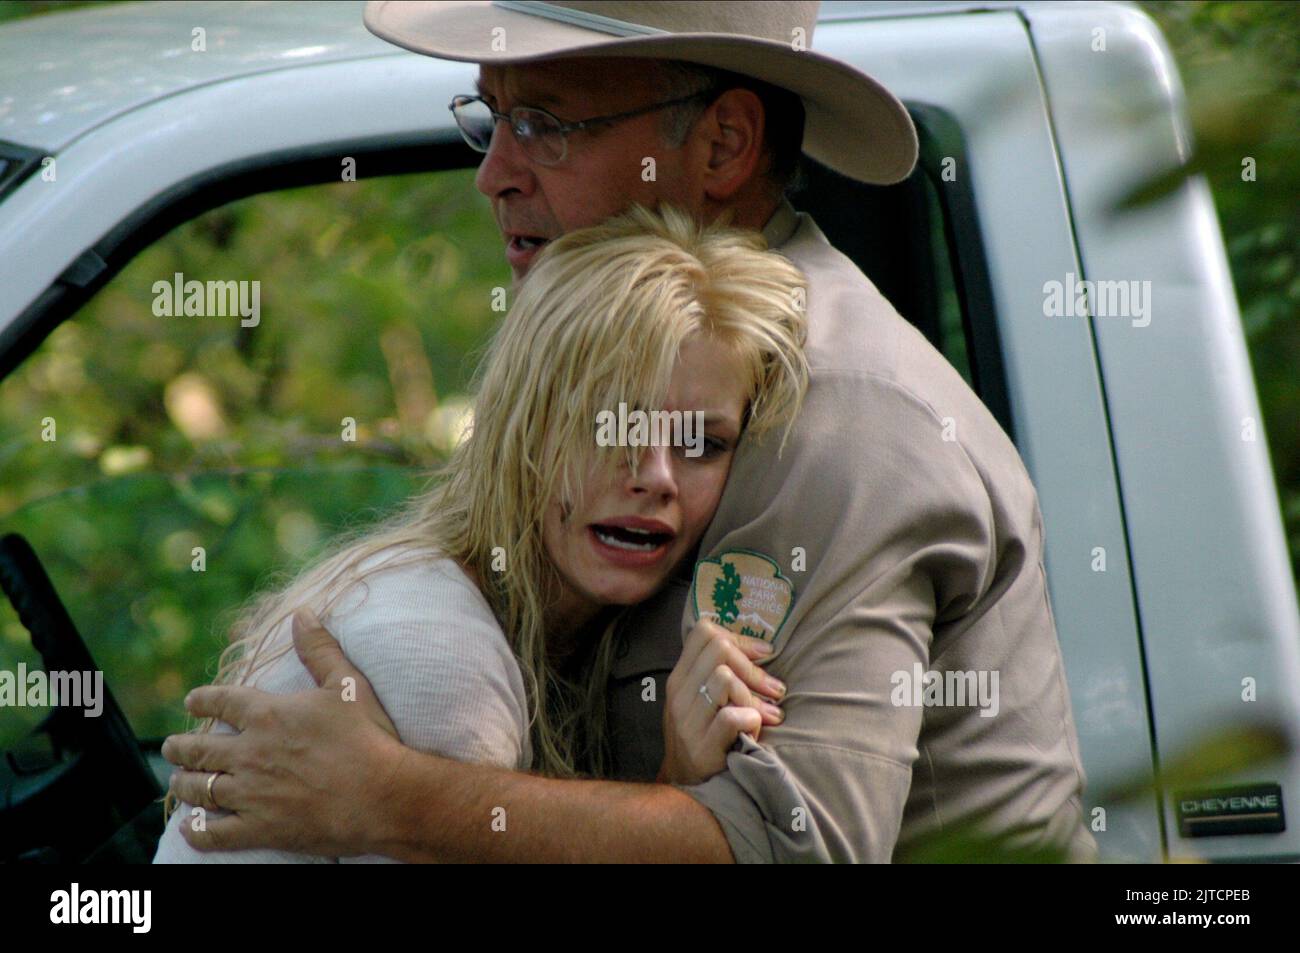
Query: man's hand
x=307, y=771
x=699, y=730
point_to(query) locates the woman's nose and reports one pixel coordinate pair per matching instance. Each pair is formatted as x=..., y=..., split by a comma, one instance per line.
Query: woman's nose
x=655, y=473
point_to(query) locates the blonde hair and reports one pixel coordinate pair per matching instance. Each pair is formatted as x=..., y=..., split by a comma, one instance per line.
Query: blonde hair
x=599, y=319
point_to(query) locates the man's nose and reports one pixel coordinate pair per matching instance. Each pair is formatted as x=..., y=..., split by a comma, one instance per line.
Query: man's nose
x=655, y=473
x=504, y=167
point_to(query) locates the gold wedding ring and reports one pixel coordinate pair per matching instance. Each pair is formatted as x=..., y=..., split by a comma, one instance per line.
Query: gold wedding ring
x=212, y=779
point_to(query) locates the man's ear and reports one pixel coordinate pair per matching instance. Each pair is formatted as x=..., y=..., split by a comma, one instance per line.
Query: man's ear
x=736, y=125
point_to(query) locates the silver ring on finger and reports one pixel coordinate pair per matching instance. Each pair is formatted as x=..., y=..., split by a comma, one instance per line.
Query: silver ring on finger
x=704, y=690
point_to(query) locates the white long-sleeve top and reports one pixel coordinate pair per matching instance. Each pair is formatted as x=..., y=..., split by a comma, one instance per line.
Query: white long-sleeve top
x=439, y=662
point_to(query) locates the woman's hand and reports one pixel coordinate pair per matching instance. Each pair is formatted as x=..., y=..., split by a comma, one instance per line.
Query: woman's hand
x=699, y=730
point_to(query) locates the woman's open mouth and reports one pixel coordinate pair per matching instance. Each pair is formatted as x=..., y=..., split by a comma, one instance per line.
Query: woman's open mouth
x=628, y=546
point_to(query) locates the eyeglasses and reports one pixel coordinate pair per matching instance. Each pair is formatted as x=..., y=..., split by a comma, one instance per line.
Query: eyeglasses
x=544, y=138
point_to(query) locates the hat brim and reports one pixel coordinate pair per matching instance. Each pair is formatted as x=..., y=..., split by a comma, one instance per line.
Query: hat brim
x=853, y=124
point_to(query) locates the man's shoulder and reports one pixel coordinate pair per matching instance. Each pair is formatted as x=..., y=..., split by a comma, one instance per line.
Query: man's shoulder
x=853, y=328
x=860, y=347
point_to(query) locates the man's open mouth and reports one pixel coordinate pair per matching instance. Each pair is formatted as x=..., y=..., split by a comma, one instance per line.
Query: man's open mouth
x=633, y=540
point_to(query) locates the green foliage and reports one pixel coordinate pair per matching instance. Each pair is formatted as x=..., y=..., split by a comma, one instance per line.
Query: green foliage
x=175, y=432
x=121, y=553
x=14, y=9
x=373, y=297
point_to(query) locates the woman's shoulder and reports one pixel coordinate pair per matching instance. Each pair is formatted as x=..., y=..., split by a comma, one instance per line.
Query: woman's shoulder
x=416, y=600
x=413, y=580
x=424, y=636
x=420, y=631
x=407, y=599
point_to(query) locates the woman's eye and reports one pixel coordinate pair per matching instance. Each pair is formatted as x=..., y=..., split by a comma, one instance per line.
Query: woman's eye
x=713, y=447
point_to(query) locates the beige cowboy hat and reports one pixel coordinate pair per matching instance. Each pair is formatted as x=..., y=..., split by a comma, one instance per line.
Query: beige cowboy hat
x=854, y=125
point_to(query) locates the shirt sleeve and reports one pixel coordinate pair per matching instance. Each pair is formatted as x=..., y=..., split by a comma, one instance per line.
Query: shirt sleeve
x=896, y=527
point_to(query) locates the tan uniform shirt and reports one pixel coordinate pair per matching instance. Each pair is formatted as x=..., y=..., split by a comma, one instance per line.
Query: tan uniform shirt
x=898, y=534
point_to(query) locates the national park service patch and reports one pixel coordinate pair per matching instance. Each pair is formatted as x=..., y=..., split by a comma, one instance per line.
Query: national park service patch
x=743, y=591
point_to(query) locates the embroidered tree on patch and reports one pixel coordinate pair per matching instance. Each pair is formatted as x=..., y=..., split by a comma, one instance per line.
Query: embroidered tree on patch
x=726, y=591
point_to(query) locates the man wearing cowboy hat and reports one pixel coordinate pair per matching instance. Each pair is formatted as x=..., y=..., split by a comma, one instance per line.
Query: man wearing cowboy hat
x=894, y=549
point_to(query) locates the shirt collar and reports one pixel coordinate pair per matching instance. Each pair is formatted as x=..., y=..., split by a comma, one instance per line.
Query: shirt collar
x=782, y=225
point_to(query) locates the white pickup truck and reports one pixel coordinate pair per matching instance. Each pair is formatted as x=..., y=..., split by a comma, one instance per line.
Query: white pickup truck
x=1136, y=417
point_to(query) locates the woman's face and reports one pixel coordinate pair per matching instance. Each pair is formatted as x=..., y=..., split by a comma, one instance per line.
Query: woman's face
x=630, y=533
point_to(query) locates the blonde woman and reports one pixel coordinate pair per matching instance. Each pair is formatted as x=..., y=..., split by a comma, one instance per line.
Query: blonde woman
x=482, y=613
